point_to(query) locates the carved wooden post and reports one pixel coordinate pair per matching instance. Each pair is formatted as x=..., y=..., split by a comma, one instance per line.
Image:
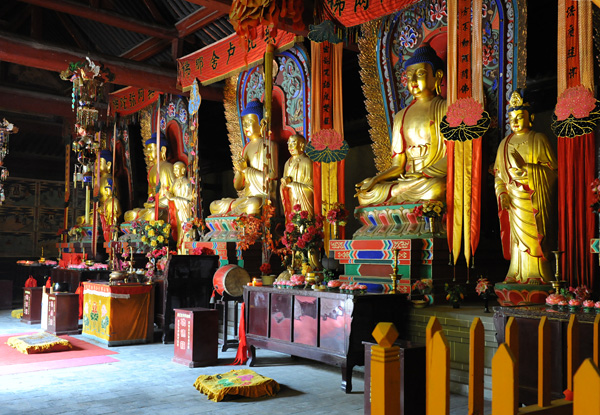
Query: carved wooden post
x=572, y=349
x=587, y=384
x=438, y=403
x=433, y=326
x=385, y=371
x=505, y=382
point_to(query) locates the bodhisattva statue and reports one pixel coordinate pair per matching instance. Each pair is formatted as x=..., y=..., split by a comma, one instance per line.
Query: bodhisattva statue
x=181, y=196
x=109, y=206
x=254, y=178
x=166, y=181
x=419, y=164
x=525, y=176
x=297, y=178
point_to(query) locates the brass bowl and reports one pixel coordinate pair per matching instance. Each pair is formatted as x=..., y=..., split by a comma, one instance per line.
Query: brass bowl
x=89, y=262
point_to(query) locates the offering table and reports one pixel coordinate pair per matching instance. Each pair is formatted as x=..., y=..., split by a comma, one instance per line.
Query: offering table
x=118, y=314
x=328, y=327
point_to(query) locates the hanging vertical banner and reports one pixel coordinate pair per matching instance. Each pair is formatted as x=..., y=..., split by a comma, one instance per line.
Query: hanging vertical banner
x=576, y=219
x=130, y=100
x=228, y=56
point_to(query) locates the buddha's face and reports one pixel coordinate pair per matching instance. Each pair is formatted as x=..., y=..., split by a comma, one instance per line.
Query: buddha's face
x=295, y=145
x=251, y=126
x=520, y=121
x=151, y=153
x=179, y=170
x=421, y=80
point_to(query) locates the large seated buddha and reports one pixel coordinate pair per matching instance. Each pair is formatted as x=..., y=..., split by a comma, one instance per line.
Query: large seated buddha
x=254, y=177
x=419, y=164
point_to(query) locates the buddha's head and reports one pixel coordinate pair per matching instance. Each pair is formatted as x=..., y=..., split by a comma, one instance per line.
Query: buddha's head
x=150, y=149
x=519, y=116
x=424, y=71
x=251, y=118
x=179, y=169
x=296, y=144
x=105, y=161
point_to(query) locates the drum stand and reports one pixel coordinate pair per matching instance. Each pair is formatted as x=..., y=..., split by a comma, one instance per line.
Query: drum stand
x=224, y=303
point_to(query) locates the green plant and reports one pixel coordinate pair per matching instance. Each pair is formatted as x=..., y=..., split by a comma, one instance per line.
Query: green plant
x=454, y=293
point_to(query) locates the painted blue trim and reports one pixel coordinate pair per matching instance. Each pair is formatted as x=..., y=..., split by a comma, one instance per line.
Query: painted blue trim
x=304, y=94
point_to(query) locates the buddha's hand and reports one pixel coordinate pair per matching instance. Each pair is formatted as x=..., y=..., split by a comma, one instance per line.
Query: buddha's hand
x=504, y=201
x=366, y=184
x=411, y=176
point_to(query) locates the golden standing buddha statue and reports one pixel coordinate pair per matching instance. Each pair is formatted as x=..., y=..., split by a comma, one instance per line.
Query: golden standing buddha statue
x=109, y=206
x=254, y=178
x=166, y=181
x=297, y=179
x=525, y=176
x=419, y=164
x=181, y=196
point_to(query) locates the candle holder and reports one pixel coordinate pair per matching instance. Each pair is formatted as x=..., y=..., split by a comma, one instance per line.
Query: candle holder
x=558, y=283
x=394, y=275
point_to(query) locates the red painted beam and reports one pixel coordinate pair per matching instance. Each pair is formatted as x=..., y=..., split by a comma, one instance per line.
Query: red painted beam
x=106, y=17
x=221, y=5
x=128, y=73
x=28, y=102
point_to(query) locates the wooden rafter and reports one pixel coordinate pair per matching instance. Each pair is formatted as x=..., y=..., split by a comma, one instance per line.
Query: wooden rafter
x=145, y=49
x=156, y=14
x=106, y=17
x=221, y=5
x=35, y=54
x=197, y=20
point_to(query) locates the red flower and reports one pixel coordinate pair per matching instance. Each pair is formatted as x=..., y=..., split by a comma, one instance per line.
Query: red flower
x=289, y=227
x=301, y=243
x=296, y=207
x=304, y=214
x=265, y=269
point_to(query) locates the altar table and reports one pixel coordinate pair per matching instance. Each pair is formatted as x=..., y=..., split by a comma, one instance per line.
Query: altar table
x=118, y=314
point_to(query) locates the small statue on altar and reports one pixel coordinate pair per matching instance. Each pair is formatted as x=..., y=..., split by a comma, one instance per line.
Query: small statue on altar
x=109, y=206
x=525, y=177
x=166, y=181
x=180, y=200
x=419, y=164
x=297, y=179
x=254, y=177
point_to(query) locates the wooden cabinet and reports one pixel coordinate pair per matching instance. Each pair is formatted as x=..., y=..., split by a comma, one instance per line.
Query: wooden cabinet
x=323, y=326
x=32, y=305
x=196, y=336
x=528, y=319
x=186, y=282
x=63, y=313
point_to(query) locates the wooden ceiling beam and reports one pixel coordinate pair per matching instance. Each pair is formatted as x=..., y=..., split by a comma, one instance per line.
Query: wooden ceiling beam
x=128, y=73
x=156, y=14
x=197, y=20
x=76, y=35
x=28, y=102
x=221, y=5
x=106, y=17
x=145, y=49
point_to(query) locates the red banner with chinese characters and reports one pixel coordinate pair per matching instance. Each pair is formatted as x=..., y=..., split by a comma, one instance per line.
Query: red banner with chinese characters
x=224, y=58
x=326, y=86
x=130, y=100
x=354, y=12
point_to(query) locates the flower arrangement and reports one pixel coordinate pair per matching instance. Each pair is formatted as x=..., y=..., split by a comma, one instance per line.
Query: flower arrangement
x=423, y=286
x=431, y=209
x=454, y=293
x=157, y=260
x=595, y=186
x=484, y=287
x=202, y=251
x=303, y=233
x=155, y=234
x=194, y=226
x=337, y=214
x=265, y=269
x=76, y=232
x=580, y=293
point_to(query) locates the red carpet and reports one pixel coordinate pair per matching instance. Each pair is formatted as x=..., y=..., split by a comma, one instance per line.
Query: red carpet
x=82, y=354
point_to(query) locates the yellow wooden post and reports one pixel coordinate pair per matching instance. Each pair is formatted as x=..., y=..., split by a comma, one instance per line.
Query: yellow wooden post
x=385, y=371
x=572, y=349
x=511, y=337
x=544, y=386
x=438, y=393
x=505, y=382
x=586, y=399
x=476, y=349
x=433, y=326
x=597, y=340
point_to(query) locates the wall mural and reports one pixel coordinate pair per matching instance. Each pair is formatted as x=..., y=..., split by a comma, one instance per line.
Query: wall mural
x=30, y=217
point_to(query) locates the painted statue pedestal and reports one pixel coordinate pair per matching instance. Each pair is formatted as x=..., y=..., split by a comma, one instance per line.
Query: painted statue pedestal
x=221, y=228
x=371, y=261
x=511, y=294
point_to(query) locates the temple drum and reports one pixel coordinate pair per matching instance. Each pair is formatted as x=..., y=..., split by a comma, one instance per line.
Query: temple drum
x=230, y=279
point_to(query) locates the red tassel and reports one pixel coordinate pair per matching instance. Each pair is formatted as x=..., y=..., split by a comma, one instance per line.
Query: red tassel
x=49, y=282
x=241, y=356
x=80, y=292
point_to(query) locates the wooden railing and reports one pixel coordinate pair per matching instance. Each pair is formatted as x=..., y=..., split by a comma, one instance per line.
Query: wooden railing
x=583, y=385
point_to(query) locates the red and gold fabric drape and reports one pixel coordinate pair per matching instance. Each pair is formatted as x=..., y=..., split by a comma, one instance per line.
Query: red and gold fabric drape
x=576, y=155
x=326, y=113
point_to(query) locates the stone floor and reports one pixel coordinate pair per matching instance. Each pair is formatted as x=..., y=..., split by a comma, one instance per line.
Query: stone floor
x=145, y=381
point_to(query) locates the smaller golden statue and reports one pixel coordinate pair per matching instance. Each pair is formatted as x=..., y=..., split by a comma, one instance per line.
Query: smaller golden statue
x=297, y=179
x=525, y=179
x=181, y=197
x=166, y=181
x=109, y=206
x=255, y=175
x=419, y=164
